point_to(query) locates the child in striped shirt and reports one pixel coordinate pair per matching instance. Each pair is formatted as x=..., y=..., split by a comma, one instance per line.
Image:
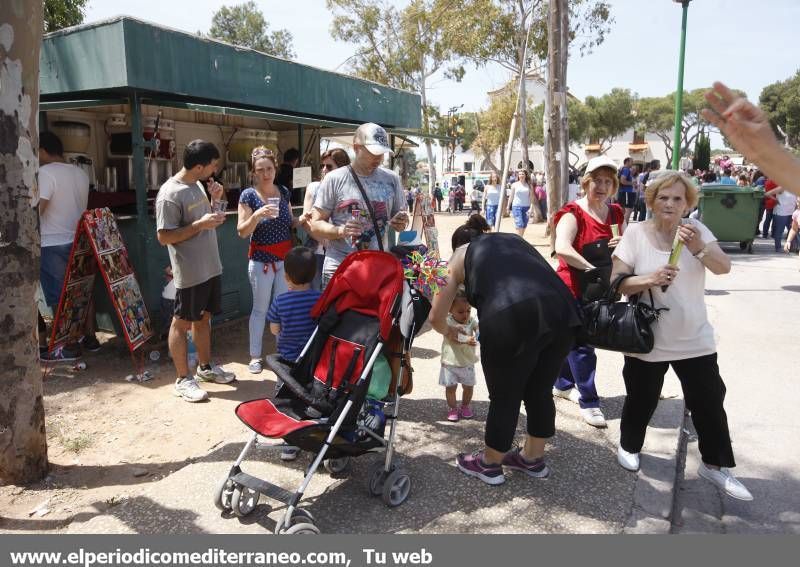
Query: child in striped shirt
x=289, y=315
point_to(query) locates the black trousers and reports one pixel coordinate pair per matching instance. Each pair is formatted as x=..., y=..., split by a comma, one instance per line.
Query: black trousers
x=703, y=391
x=526, y=376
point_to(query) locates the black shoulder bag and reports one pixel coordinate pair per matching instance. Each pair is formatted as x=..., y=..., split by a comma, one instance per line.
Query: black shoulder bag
x=378, y=235
x=622, y=326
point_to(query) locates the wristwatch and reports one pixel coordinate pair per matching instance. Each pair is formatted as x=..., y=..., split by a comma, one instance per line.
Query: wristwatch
x=702, y=254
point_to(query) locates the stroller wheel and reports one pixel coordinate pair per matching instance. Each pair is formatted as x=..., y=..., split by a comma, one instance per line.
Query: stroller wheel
x=396, y=488
x=336, y=466
x=299, y=517
x=375, y=480
x=223, y=494
x=302, y=529
x=244, y=500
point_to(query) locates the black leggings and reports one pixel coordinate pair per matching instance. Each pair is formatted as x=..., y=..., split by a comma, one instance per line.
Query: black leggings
x=704, y=392
x=525, y=374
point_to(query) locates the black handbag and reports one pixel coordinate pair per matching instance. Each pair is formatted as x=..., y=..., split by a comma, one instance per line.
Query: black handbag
x=622, y=326
x=594, y=284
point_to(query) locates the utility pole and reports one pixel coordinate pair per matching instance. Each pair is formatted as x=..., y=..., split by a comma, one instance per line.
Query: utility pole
x=556, y=133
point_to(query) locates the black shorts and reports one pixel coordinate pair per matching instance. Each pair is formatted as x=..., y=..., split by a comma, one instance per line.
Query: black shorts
x=191, y=302
x=626, y=199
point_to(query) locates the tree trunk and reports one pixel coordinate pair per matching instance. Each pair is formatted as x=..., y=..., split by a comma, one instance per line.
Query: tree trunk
x=23, y=444
x=553, y=132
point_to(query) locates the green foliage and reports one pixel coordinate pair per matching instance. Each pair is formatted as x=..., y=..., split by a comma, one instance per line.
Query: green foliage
x=493, y=124
x=499, y=34
x=244, y=24
x=579, y=119
x=702, y=153
x=609, y=116
x=657, y=115
x=781, y=102
x=60, y=14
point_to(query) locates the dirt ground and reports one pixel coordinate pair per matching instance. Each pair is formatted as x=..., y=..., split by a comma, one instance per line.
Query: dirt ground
x=108, y=436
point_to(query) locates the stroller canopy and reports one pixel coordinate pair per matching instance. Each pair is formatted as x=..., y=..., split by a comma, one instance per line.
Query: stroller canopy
x=367, y=282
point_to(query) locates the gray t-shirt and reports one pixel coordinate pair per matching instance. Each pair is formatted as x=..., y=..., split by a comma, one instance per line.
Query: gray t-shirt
x=196, y=260
x=338, y=195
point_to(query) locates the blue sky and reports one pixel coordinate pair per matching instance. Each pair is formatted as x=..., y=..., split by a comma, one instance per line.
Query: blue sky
x=746, y=43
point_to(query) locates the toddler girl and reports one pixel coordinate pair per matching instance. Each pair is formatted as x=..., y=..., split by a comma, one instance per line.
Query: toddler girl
x=459, y=357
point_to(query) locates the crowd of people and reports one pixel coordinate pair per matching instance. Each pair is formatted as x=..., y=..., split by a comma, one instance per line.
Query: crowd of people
x=528, y=314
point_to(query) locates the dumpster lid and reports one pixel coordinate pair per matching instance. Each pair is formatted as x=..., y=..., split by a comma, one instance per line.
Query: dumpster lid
x=717, y=188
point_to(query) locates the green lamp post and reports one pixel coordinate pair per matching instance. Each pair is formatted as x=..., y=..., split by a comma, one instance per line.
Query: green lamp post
x=676, y=143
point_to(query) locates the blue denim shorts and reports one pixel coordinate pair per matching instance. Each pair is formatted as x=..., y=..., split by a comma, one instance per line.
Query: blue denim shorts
x=53, y=271
x=491, y=214
x=520, y=215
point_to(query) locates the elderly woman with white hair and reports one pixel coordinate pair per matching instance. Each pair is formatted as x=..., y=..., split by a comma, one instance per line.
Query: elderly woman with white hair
x=684, y=338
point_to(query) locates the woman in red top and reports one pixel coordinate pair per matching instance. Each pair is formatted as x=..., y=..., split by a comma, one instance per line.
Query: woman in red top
x=585, y=230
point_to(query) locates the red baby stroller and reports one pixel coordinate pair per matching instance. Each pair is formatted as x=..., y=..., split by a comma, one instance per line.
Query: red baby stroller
x=367, y=310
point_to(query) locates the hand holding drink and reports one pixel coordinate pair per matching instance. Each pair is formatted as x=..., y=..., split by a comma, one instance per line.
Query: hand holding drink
x=356, y=217
x=675, y=255
x=274, y=204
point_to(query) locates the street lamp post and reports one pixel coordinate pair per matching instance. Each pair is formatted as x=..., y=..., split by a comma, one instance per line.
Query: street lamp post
x=676, y=140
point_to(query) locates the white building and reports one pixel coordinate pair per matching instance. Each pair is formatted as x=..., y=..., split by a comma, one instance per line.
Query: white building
x=643, y=148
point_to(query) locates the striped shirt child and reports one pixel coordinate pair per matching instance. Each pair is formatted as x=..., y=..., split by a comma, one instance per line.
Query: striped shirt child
x=292, y=311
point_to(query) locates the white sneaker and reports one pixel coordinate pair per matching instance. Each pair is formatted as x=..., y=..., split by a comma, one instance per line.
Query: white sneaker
x=594, y=417
x=188, y=389
x=725, y=481
x=572, y=394
x=628, y=461
x=214, y=374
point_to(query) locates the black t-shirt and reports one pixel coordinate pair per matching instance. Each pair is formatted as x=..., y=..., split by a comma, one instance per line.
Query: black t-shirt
x=506, y=276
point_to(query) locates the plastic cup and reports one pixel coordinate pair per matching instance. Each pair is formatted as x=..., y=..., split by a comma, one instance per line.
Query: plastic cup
x=220, y=206
x=274, y=203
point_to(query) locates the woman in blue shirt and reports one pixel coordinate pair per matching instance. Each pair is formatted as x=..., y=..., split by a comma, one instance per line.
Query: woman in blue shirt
x=266, y=218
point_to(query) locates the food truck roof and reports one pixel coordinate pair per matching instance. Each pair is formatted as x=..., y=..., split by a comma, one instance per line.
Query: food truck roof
x=87, y=64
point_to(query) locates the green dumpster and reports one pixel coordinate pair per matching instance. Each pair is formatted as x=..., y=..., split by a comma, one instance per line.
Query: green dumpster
x=731, y=212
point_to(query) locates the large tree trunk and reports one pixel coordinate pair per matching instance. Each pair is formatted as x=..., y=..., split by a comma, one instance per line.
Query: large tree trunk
x=556, y=109
x=23, y=445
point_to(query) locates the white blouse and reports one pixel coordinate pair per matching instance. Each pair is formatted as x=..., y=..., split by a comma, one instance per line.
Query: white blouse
x=684, y=331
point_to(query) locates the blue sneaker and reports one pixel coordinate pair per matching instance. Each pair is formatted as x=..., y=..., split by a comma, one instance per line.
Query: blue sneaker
x=536, y=468
x=473, y=465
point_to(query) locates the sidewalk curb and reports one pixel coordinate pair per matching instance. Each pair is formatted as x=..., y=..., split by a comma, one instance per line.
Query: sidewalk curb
x=656, y=482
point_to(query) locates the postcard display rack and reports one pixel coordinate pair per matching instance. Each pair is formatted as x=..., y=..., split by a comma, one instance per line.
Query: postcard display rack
x=98, y=247
x=424, y=222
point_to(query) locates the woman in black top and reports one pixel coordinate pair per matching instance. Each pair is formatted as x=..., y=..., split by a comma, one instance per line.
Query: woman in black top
x=528, y=322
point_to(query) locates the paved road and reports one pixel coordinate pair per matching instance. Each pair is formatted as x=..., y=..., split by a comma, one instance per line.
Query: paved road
x=755, y=311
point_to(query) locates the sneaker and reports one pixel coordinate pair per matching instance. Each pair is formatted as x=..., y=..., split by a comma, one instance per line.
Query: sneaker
x=289, y=453
x=536, y=468
x=188, y=389
x=452, y=414
x=60, y=354
x=214, y=374
x=466, y=412
x=594, y=417
x=628, y=461
x=90, y=343
x=725, y=481
x=256, y=366
x=473, y=465
x=572, y=394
